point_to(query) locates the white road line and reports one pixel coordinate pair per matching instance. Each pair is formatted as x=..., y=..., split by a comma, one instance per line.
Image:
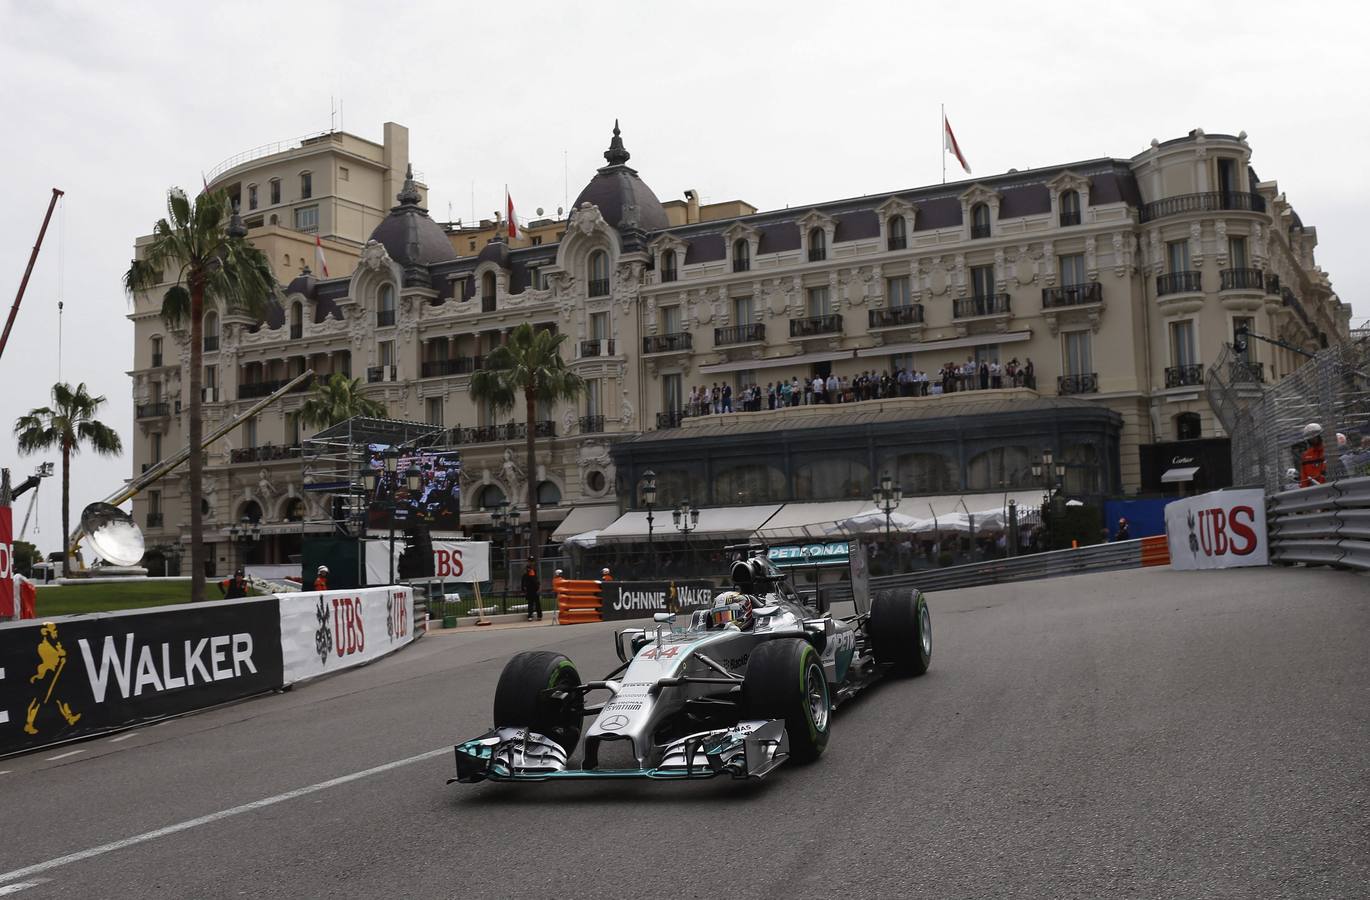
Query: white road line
x=22, y=886
x=212, y=817
x=123, y=737
x=5, y=771
x=65, y=755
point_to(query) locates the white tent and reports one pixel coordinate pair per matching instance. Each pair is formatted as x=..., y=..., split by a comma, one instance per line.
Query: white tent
x=872, y=522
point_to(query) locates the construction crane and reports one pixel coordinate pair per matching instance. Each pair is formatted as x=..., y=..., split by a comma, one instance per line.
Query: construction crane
x=33, y=258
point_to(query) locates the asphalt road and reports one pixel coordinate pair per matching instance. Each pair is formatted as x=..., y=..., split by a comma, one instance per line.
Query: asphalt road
x=1138, y=734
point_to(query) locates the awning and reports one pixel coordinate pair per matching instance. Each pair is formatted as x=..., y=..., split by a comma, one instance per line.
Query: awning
x=952, y=344
x=1179, y=474
x=585, y=518
x=714, y=522
x=939, y=505
x=797, y=521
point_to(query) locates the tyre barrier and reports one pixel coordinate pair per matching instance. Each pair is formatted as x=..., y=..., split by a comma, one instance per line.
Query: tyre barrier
x=578, y=601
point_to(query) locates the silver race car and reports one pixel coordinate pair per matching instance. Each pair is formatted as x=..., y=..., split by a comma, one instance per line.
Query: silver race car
x=737, y=689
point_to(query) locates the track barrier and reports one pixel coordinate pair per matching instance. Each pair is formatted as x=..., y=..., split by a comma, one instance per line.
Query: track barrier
x=1326, y=524
x=70, y=677
x=578, y=601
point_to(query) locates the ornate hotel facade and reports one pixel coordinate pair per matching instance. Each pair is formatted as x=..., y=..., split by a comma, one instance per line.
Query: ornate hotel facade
x=1120, y=280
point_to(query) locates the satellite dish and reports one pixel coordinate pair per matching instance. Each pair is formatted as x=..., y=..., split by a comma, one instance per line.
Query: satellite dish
x=113, y=534
x=539, y=210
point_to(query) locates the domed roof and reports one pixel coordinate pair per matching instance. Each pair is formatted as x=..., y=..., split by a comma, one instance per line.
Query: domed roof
x=410, y=237
x=303, y=283
x=496, y=251
x=625, y=201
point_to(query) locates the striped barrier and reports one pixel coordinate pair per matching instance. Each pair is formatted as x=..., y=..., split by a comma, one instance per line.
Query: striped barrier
x=1155, y=551
x=578, y=601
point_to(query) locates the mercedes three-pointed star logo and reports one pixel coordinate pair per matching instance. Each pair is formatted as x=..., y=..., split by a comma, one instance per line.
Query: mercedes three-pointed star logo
x=614, y=723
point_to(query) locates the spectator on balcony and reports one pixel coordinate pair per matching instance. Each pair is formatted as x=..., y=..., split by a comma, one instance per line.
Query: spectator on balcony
x=1029, y=380
x=830, y=388
x=984, y=375
x=727, y=398
x=716, y=399
x=693, y=406
x=817, y=390
x=996, y=375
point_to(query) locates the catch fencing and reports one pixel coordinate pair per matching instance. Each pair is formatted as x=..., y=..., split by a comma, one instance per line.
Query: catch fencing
x=1326, y=524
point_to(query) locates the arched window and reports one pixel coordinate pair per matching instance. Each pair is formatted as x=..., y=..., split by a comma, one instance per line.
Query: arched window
x=1083, y=470
x=832, y=479
x=487, y=292
x=296, y=320
x=294, y=510
x=1070, y=208
x=489, y=497
x=385, y=305
x=599, y=273
x=668, y=268
x=548, y=494
x=925, y=473
x=749, y=483
x=818, y=245
x=1188, y=426
x=211, y=331
x=898, y=233
x=979, y=221
x=742, y=255
x=998, y=468
x=251, y=510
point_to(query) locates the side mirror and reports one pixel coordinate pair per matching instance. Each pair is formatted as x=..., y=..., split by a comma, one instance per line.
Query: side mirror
x=664, y=618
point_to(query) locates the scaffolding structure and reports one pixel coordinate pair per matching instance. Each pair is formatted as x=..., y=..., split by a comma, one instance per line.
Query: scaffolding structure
x=1266, y=422
x=335, y=461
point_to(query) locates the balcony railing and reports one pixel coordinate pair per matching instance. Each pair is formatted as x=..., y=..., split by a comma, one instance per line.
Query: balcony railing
x=153, y=410
x=1078, y=384
x=988, y=305
x=742, y=264
x=1072, y=295
x=264, y=453
x=487, y=304
x=385, y=318
x=1179, y=283
x=296, y=331
x=1070, y=217
x=818, y=254
x=1184, y=376
x=154, y=520
x=739, y=334
x=815, y=325
x=1208, y=201
x=599, y=287
x=211, y=343
x=511, y=431
x=675, y=342
x=979, y=231
x=376, y=374
x=896, y=316
x=670, y=419
x=898, y=242
x=156, y=360
x=1245, y=371
x=591, y=424
x=254, y=389
x=668, y=275
x=461, y=365
x=209, y=395
x=1272, y=284
x=597, y=347
x=1242, y=280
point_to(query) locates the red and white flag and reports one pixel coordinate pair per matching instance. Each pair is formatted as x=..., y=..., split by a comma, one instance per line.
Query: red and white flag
x=318, y=255
x=949, y=144
x=513, y=228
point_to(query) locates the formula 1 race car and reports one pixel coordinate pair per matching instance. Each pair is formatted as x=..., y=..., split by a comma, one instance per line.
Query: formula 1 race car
x=748, y=683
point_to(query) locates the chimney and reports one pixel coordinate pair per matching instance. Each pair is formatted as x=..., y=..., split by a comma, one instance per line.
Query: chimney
x=691, y=206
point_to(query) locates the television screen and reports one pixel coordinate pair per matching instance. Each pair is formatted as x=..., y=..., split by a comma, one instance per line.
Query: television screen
x=435, y=504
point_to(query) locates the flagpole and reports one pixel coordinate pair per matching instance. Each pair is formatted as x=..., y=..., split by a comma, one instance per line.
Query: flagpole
x=942, y=142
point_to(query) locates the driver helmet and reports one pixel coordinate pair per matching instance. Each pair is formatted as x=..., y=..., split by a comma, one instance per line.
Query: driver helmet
x=1312, y=430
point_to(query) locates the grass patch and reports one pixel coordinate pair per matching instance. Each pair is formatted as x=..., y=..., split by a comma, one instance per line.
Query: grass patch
x=71, y=599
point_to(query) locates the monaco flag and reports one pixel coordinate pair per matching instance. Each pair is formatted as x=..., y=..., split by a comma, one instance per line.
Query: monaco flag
x=509, y=214
x=949, y=143
x=318, y=255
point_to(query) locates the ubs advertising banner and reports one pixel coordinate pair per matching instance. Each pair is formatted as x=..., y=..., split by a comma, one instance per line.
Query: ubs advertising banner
x=640, y=599
x=1218, y=530
x=326, y=631
x=460, y=561
x=81, y=675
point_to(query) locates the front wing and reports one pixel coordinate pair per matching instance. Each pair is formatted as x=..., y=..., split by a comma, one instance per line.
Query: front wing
x=746, y=750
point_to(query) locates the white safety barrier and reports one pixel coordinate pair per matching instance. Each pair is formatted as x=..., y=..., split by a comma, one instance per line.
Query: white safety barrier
x=1218, y=530
x=325, y=631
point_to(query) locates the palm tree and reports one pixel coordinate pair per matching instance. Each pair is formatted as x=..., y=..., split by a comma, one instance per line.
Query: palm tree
x=530, y=365
x=204, y=248
x=67, y=424
x=337, y=399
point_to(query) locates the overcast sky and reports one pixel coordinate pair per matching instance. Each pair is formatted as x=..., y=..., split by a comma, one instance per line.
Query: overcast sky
x=785, y=103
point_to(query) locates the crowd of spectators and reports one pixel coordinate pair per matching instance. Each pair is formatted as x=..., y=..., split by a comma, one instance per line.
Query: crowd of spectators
x=871, y=384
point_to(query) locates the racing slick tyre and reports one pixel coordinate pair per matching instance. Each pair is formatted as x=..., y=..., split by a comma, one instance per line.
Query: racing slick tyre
x=900, y=628
x=522, y=697
x=785, y=681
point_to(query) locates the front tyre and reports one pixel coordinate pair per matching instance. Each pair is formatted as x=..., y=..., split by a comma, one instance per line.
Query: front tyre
x=900, y=629
x=785, y=681
x=523, y=698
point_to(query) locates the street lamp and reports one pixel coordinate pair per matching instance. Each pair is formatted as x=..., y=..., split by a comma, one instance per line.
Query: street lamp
x=1045, y=468
x=649, y=500
x=245, y=533
x=686, y=519
x=887, y=498
x=505, y=516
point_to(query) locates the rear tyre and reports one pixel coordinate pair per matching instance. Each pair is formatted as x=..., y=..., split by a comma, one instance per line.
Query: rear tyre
x=900, y=628
x=785, y=681
x=522, y=697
